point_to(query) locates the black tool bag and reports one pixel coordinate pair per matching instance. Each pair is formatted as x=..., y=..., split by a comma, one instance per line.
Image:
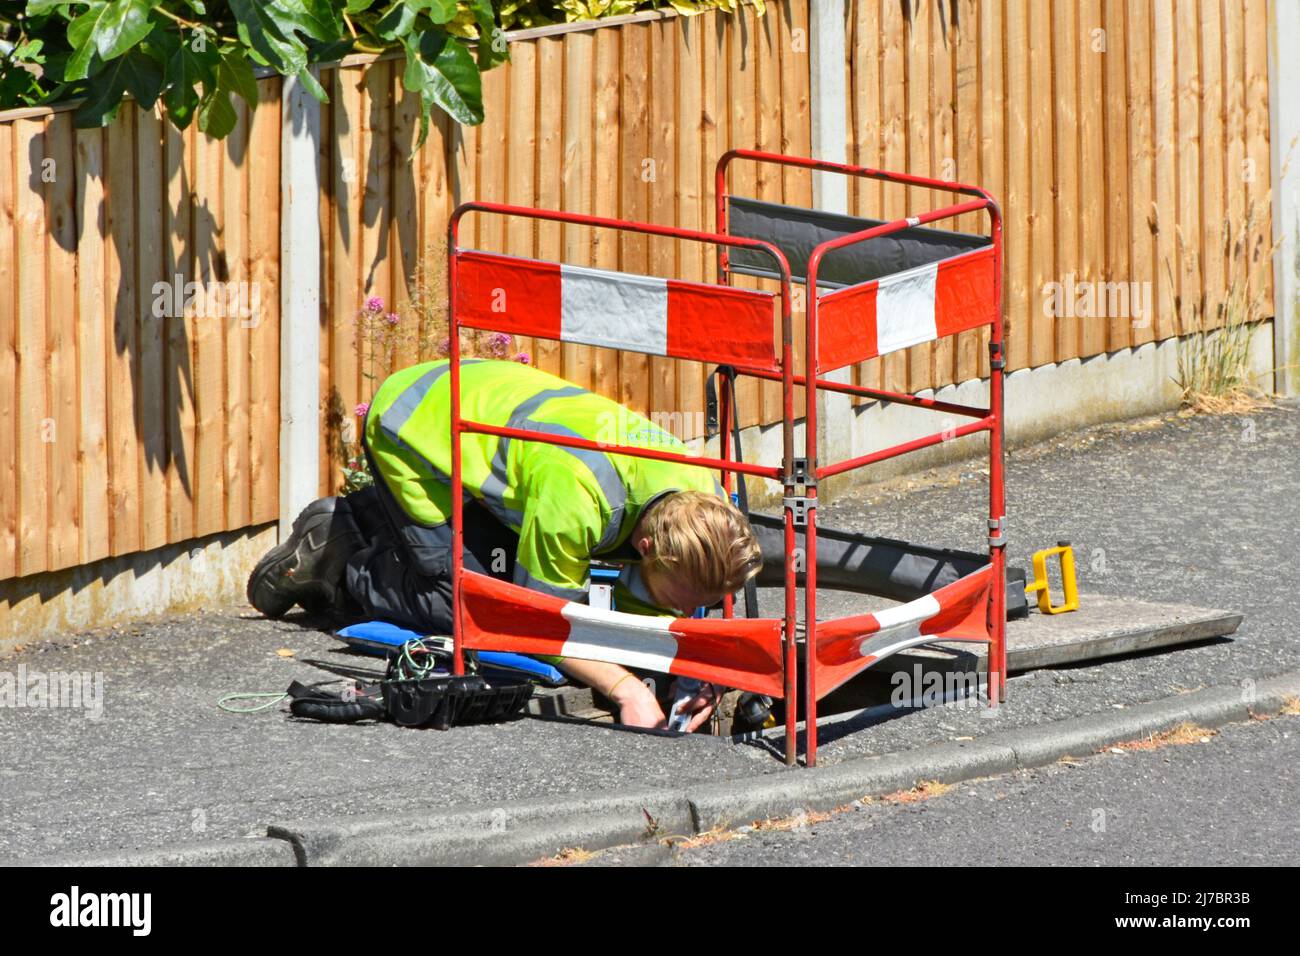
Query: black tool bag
x=436, y=700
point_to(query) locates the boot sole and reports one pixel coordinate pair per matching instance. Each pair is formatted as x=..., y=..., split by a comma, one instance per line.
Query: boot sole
x=277, y=603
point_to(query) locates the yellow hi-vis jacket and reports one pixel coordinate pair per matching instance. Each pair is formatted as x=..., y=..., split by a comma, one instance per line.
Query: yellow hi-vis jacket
x=568, y=505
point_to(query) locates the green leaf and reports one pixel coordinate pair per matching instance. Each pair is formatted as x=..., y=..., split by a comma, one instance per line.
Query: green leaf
x=143, y=79
x=81, y=40
x=318, y=19
x=259, y=30
x=120, y=25
x=329, y=52
x=308, y=79
x=217, y=117
x=185, y=69
x=492, y=48
x=358, y=6
x=397, y=21
x=105, y=97
x=236, y=73
x=37, y=8
x=442, y=70
x=439, y=11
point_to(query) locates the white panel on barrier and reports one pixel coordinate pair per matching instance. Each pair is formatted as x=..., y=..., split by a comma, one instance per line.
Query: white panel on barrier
x=614, y=309
x=905, y=309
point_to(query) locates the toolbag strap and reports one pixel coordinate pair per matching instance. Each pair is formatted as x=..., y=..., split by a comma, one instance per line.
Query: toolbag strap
x=335, y=708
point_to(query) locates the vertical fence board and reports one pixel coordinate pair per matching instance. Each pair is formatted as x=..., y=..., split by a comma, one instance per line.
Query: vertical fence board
x=797, y=137
x=150, y=270
x=693, y=186
x=993, y=134
x=1066, y=51
x=1236, y=184
x=1140, y=186
x=1099, y=229
x=1188, y=120
x=770, y=182
x=8, y=357
x=547, y=353
x=178, y=163
x=234, y=325
x=33, y=489
x=264, y=273
x=607, y=170
x=894, y=145
x=866, y=134
x=968, y=168
x=1042, y=248
x=521, y=183
x=662, y=209
x=209, y=351
x=579, y=175
x=61, y=283
x=943, y=157
x=1257, y=147
x=919, y=53
x=1165, y=119
x=635, y=69
x=742, y=129
x=1018, y=211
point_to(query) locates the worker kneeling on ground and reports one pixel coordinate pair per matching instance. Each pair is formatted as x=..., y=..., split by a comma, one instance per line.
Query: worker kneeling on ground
x=535, y=514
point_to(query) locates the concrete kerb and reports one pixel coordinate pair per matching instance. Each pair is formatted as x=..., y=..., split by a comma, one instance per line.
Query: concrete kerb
x=490, y=835
x=533, y=829
x=258, y=851
x=723, y=805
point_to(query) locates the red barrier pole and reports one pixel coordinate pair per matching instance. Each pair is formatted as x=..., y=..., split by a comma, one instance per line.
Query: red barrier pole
x=812, y=371
x=997, y=676
x=457, y=491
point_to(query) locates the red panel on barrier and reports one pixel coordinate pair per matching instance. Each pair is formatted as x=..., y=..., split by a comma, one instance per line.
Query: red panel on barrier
x=508, y=294
x=721, y=325
x=898, y=311
x=964, y=296
x=740, y=652
x=956, y=612
x=686, y=320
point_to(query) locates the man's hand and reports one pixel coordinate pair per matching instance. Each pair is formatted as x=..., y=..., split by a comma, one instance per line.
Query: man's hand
x=700, y=707
x=637, y=707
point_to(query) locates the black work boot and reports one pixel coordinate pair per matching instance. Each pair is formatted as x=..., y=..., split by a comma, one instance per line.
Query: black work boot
x=309, y=567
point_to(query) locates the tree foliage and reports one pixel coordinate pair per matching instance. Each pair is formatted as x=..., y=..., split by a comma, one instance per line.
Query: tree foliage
x=195, y=55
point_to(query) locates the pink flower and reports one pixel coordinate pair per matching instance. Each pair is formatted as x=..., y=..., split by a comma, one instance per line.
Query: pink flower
x=523, y=357
x=360, y=410
x=374, y=304
x=499, y=344
x=444, y=347
x=393, y=318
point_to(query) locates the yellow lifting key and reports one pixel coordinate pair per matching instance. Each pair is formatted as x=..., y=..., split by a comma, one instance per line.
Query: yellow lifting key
x=1069, y=582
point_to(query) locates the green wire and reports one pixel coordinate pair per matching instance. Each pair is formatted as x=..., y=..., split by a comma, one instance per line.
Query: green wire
x=271, y=702
x=407, y=667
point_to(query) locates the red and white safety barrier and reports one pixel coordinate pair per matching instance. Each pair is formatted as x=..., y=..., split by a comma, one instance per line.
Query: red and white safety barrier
x=619, y=310
x=741, y=652
x=906, y=309
x=849, y=645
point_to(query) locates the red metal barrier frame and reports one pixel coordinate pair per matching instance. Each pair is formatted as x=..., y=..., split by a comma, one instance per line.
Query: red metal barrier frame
x=460, y=425
x=990, y=419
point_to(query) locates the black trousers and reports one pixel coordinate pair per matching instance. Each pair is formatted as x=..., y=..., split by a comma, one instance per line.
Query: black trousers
x=403, y=574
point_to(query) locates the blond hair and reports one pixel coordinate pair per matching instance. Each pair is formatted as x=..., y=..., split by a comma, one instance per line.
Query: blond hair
x=704, y=539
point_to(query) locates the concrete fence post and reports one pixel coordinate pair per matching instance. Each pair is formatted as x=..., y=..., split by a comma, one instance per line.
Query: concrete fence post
x=300, y=281
x=1284, y=145
x=828, y=106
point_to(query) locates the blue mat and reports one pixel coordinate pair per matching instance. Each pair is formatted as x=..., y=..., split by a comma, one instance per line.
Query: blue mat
x=380, y=637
